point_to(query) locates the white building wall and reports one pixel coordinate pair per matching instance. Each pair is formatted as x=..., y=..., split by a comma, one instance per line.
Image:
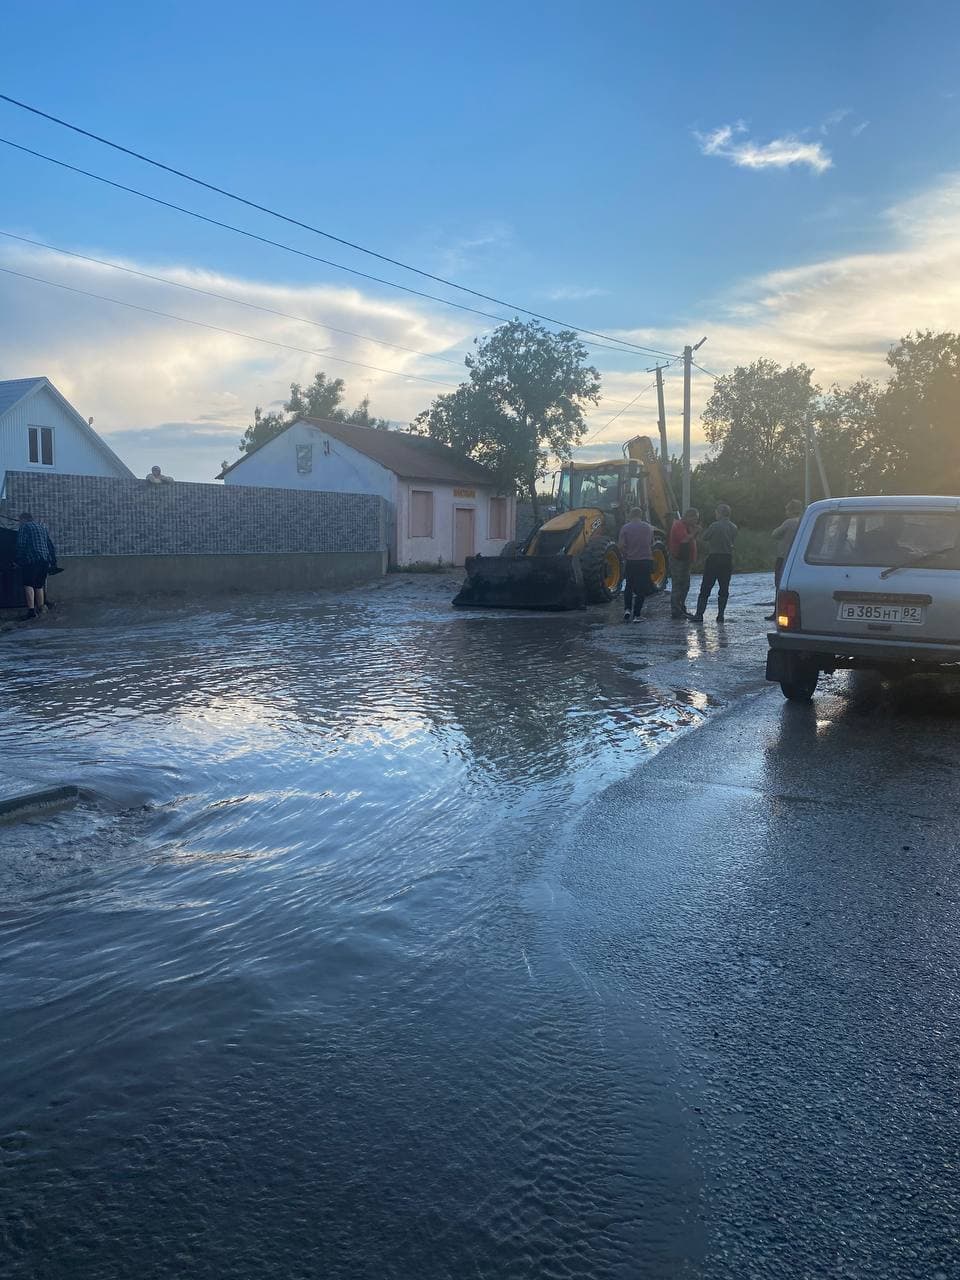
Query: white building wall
x=337, y=468
x=446, y=499
x=73, y=452
x=334, y=466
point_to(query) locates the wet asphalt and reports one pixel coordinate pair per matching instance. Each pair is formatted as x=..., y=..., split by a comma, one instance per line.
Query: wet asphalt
x=789, y=917
x=409, y=942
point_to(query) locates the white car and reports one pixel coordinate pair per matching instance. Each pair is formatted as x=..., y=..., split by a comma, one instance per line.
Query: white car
x=868, y=583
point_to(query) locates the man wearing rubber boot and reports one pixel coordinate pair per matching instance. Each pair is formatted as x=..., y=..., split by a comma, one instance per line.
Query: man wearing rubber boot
x=636, y=543
x=683, y=552
x=719, y=538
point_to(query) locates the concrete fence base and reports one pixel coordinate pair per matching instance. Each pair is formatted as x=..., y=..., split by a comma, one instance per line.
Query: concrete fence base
x=99, y=577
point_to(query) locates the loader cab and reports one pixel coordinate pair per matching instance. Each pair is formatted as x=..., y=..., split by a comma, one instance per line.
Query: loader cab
x=613, y=487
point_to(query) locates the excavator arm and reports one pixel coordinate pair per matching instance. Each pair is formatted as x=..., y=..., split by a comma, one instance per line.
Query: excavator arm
x=663, y=505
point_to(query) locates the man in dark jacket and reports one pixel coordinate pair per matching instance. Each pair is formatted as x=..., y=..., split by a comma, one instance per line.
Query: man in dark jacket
x=35, y=556
x=719, y=538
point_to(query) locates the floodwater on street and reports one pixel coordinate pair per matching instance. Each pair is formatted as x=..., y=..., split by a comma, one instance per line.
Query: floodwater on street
x=291, y=992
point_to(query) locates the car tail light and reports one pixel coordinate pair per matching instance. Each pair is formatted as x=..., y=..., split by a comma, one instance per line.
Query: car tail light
x=788, y=611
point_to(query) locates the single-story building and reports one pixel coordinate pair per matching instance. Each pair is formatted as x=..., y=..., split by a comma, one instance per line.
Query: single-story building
x=444, y=507
x=41, y=431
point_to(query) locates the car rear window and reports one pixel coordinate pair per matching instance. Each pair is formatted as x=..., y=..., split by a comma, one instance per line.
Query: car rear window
x=885, y=538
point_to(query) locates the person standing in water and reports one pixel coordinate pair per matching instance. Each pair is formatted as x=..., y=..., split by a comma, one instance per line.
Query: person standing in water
x=682, y=544
x=636, y=543
x=719, y=538
x=35, y=555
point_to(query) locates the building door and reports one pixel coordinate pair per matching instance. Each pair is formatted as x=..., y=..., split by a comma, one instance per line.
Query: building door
x=463, y=518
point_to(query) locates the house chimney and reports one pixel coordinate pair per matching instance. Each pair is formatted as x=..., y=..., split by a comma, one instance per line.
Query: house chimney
x=89, y=422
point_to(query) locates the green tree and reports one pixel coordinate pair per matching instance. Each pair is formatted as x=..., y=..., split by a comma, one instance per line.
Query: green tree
x=756, y=417
x=755, y=421
x=361, y=417
x=322, y=398
x=919, y=414
x=470, y=421
x=524, y=402
x=856, y=453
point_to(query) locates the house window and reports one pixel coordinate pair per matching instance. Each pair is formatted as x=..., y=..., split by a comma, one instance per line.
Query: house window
x=41, y=446
x=421, y=513
x=498, y=518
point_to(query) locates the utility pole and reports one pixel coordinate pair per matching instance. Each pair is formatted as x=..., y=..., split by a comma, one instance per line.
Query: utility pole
x=662, y=417
x=824, y=482
x=807, y=469
x=687, y=362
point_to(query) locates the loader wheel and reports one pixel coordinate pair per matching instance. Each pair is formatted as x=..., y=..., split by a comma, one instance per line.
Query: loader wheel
x=602, y=567
x=658, y=574
x=512, y=549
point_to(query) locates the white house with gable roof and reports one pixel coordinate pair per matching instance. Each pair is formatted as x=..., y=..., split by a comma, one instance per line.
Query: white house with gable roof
x=41, y=431
x=444, y=506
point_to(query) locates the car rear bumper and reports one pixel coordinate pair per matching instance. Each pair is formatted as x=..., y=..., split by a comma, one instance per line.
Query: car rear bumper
x=832, y=652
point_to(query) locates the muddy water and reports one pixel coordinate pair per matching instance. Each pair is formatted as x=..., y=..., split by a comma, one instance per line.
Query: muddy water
x=291, y=994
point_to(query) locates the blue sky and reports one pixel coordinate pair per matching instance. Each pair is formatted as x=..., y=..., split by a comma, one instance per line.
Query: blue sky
x=628, y=167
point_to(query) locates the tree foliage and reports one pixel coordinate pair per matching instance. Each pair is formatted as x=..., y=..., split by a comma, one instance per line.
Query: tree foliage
x=757, y=415
x=920, y=413
x=322, y=398
x=524, y=402
x=902, y=436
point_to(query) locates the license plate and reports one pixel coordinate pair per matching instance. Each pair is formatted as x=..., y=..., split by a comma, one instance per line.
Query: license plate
x=911, y=614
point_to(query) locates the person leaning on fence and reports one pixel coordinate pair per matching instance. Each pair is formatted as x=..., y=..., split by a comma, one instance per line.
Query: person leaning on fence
x=35, y=556
x=156, y=476
x=682, y=545
x=636, y=543
x=784, y=535
x=718, y=538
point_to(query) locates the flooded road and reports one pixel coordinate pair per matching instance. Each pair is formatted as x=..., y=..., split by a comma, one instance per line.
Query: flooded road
x=293, y=992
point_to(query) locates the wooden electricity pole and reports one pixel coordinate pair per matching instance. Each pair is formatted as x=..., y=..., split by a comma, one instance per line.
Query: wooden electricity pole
x=687, y=362
x=662, y=417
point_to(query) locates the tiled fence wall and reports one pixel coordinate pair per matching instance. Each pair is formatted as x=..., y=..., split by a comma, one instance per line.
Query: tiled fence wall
x=99, y=516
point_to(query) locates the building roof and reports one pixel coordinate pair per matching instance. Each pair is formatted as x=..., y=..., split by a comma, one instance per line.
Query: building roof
x=14, y=390
x=411, y=457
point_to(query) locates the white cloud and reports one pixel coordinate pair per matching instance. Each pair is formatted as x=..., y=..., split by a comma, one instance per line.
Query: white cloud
x=780, y=153
x=840, y=315
x=133, y=370
x=576, y=293
x=181, y=396
x=467, y=252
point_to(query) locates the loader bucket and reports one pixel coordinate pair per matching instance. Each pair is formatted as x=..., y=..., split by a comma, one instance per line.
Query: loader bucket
x=522, y=582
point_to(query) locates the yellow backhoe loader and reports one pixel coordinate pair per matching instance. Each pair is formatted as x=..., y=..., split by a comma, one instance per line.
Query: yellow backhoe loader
x=573, y=560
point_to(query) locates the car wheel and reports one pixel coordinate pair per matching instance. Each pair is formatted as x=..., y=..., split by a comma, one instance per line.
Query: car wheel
x=802, y=684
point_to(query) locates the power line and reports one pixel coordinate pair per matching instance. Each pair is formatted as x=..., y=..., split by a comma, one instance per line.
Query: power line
x=223, y=297
x=207, y=293
x=706, y=371
x=603, y=426
x=234, y=333
x=306, y=226
x=276, y=244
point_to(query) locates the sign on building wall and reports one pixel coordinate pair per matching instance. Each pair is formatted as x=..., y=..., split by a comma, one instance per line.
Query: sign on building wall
x=464, y=493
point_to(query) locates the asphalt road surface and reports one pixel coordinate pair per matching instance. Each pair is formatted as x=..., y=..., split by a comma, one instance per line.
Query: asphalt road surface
x=789, y=918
